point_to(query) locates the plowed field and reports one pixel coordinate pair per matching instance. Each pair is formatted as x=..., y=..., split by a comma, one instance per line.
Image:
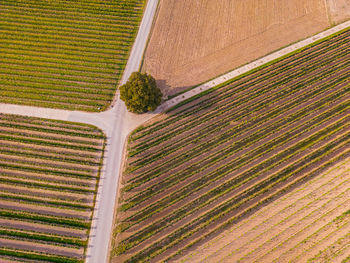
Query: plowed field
x=194, y=41
x=49, y=172
x=218, y=157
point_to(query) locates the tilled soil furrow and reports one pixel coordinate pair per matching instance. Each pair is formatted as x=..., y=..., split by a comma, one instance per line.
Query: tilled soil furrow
x=297, y=233
x=319, y=236
x=44, y=228
x=263, y=219
x=252, y=238
x=39, y=247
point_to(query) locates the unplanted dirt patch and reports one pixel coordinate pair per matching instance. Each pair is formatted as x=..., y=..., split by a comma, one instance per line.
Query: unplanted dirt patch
x=339, y=10
x=193, y=41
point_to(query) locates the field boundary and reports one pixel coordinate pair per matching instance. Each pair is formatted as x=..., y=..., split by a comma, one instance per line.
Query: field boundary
x=116, y=123
x=228, y=77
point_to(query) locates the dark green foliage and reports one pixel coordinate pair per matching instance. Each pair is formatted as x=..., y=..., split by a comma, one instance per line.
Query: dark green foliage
x=140, y=93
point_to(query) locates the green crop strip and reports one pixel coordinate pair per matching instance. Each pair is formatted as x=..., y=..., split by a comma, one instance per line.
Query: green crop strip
x=40, y=257
x=66, y=44
x=40, y=237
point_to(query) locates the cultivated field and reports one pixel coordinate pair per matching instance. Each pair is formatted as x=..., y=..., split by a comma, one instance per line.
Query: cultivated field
x=217, y=158
x=311, y=222
x=49, y=172
x=194, y=41
x=65, y=54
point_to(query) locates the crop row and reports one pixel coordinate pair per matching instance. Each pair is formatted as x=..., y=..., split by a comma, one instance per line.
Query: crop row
x=285, y=211
x=238, y=117
x=222, y=155
x=259, y=134
x=49, y=177
x=229, y=206
x=230, y=185
x=65, y=56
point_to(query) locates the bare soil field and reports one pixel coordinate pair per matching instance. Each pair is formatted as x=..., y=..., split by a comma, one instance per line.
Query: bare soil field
x=193, y=41
x=339, y=10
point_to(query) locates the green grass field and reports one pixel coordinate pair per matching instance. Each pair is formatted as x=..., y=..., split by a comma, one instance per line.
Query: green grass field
x=65, y=54
x=221, y=155
x=49, y=171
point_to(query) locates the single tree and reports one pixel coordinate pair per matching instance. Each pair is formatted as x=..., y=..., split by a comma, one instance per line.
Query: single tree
x=140, y=93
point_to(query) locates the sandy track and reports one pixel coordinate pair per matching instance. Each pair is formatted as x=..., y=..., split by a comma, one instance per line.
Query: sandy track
x=289, y=209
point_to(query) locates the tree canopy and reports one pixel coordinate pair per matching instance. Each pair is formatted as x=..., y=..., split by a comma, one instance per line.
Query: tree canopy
x=140, y=93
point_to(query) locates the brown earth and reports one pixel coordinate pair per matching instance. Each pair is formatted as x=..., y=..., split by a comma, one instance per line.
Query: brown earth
x=339, y=10
x=275, y=231
x=193, y=41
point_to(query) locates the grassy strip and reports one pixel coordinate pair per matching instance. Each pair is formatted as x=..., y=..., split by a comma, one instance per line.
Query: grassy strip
x=41, y=237
x=44, y=202
x=45, y=219
x=46, y=186
x=38, y=257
